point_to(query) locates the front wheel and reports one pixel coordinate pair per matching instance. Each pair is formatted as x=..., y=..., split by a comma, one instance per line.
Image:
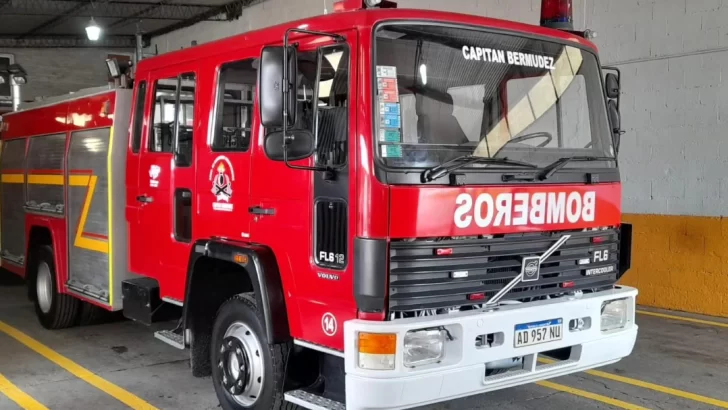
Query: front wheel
x=54, y=310
x=247, y=371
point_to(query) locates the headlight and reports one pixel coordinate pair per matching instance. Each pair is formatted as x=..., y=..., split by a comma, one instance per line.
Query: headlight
x=423, y=347
x=614, y=314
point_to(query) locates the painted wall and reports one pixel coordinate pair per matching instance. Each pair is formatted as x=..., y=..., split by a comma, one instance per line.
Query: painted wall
x=674, y=156
x=56, y=71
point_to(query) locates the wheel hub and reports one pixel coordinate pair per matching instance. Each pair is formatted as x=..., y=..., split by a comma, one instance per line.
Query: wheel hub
x=240, y=364
x=44, y=287
x=234, y=365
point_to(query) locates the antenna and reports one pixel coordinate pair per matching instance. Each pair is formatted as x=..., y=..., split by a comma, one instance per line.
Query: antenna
x=326, y=10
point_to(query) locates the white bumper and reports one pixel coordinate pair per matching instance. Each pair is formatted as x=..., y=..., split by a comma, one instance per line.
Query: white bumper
x=462, y=371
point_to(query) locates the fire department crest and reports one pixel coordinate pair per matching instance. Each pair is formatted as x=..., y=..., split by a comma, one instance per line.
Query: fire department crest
x=222, y=177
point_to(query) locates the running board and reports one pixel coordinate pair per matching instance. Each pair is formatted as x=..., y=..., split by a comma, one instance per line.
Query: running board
x=171, y=338
x=312, y=401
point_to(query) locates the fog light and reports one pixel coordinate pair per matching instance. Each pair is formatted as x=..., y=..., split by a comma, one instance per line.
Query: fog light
x=614, y=314
x=423, y=347
x=377, y=351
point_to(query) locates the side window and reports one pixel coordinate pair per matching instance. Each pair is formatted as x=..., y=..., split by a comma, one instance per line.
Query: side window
x=233, y=123
x=331, y=126
x=163, y=113
x=139, y=116
x=185, y=120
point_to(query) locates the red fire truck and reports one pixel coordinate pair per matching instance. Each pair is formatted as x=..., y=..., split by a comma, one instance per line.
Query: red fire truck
x=377, y=208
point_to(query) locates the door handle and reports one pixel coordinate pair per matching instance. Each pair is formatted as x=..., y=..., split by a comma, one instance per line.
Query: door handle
x=256, y=210
x=145, y=199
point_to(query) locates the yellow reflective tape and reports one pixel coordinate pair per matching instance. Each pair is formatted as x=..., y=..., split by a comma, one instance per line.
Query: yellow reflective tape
x=593, y=396
x=80, y=241
x=89, y=377
x=18, y=396
x=79, y=180
x=652, y=386
x=41, y=179
x=109, y=213
x=12, y=178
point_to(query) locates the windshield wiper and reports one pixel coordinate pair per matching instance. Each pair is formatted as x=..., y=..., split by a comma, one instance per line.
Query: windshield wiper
x=557, y=165
x=549, y=170
x=439, y=171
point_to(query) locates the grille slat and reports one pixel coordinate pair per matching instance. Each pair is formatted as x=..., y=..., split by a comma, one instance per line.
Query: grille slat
x=331, y=234
x=420, y=279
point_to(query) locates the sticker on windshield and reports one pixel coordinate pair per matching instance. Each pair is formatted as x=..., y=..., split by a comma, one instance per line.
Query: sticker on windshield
x=386, y=71
x=490, y=55
x=389, y=108
x=389, y=121
x=389, y=135
x=391, y=151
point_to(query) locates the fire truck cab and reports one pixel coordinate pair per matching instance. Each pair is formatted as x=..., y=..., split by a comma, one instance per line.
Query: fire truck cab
x=373, y=209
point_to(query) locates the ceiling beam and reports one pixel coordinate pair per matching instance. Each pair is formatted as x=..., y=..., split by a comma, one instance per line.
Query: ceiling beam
x=80, y=5
x=59, y=41
x=232, y=10
x=126, y=20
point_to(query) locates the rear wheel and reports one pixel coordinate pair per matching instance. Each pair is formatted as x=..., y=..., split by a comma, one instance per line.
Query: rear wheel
x=247, y=371
x=54, y=310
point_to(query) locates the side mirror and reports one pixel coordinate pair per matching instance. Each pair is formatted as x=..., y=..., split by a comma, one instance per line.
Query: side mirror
x=611, y=83
x=615, y=121
x=299, y=145
x=271, y=87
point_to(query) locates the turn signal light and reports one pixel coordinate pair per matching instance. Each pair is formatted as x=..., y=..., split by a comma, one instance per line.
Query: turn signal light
x=377, y=350
x=476, y=296
x=443, y=251
x=569, y=284
x=597, y=239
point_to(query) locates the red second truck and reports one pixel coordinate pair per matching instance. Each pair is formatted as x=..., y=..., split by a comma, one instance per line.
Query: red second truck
x=377, y=208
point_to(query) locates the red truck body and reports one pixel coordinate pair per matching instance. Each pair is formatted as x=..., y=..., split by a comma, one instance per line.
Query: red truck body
x=169, y=214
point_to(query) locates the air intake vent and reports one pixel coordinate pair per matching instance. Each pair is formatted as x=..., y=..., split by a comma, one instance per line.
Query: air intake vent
x=331, y=235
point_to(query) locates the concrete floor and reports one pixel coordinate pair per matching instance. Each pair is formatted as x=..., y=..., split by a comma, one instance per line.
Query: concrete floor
x=680, y=355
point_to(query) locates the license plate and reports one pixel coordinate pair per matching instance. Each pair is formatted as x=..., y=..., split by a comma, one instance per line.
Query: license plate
x=528, y=334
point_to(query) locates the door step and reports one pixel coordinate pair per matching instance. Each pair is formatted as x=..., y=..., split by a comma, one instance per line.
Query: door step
x=313, y=401
x=171, y=338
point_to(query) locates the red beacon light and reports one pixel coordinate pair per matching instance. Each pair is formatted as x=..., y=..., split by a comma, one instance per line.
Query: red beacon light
x=557, y=14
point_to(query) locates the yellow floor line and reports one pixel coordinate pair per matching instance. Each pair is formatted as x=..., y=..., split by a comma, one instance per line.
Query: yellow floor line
x=683, y=318
x=18, y=396
x=593, y=396
x=652, y=386
x=107, y=387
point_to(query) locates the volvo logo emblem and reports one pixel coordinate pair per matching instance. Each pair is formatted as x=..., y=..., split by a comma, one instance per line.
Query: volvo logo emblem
x=531, y=268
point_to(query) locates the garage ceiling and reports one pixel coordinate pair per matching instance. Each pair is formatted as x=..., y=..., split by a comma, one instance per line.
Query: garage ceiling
x=62, y=23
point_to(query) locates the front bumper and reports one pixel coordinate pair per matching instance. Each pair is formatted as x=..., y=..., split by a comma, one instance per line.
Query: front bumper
x=462, y=370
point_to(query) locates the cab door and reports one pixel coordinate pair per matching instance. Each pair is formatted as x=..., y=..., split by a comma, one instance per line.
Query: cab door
x=163, y=231
x=305, y=217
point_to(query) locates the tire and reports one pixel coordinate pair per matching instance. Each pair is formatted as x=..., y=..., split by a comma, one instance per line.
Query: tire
x=54, y=310
x=239, y=338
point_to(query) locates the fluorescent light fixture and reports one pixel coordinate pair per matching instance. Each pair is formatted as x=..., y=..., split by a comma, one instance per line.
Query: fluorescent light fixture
x=93, y=31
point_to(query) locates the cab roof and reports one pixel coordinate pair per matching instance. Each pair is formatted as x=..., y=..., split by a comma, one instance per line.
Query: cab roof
x=359, y=19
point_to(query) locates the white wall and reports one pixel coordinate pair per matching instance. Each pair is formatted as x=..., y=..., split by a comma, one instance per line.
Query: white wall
x=55, y=71
x=674, y=60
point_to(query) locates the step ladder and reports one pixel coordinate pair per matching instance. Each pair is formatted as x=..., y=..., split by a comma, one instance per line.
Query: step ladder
x=312, y=401
x=172, y=338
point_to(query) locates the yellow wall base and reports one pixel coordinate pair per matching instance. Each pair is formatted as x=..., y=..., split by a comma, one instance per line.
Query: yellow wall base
x=680, y=262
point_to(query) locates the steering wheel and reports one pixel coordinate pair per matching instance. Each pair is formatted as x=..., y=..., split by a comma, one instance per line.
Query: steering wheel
x=542, y=134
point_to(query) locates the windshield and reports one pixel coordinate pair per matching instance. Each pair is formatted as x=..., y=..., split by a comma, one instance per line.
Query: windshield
x=445, y=92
